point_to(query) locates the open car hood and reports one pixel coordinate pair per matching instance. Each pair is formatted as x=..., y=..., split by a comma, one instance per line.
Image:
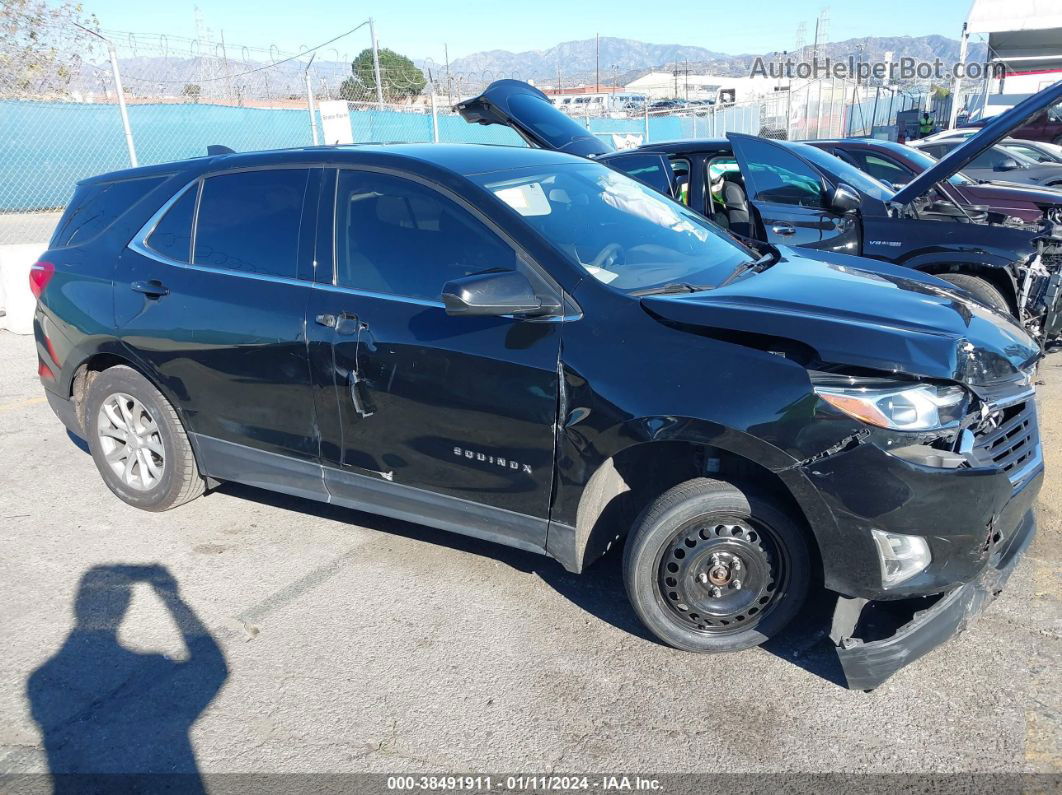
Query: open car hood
x=529, y=112
x=861, y=314
x=998, y=128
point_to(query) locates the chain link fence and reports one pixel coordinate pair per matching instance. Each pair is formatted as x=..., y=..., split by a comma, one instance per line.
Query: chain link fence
x=94, y=102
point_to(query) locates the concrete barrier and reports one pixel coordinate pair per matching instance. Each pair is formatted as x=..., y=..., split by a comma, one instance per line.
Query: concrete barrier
x=16, y=299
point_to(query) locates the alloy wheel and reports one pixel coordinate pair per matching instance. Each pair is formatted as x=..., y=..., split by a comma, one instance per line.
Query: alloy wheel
x=130, y=440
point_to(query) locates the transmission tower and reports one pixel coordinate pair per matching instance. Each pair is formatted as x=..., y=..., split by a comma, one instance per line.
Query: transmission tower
x=801, y=38
x=822, y=32
x=205, y=63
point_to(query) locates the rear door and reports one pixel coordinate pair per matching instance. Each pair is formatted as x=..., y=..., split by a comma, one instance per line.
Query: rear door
x=789, y=195
x=211, y=297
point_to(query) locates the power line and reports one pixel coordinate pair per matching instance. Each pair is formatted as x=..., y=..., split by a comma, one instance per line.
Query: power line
x=259, y=68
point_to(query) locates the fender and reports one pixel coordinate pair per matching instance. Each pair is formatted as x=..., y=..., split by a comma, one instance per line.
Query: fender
x=1001, y=269
x=577, y=538
x=83, y=353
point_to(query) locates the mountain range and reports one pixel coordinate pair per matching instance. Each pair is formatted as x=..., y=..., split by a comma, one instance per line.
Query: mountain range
x=569, y=63
x=622, y=60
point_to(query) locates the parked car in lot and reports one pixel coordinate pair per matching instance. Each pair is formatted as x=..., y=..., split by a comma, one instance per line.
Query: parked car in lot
x=896, y=164
x=532, y=348
x=1034, y=150
x=1045, y=125
x=795, y=194
x=999, y=164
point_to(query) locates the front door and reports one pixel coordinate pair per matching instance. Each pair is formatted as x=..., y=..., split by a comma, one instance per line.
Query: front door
x=790, y=197
x=418, y=408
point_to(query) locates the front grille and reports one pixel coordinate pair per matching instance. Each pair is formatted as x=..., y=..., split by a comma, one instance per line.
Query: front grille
x=1010, y=440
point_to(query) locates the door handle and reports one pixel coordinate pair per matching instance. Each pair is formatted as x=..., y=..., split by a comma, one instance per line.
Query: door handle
x=783, y=229
x=152, y=288
x=347, y=324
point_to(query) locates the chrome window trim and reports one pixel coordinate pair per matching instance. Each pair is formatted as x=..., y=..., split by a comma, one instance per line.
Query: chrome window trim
x=140, y=246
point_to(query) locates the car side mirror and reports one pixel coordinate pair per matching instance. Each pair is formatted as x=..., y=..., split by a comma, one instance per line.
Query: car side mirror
x=845, y=199
x=492, y=294
x=1007, y=164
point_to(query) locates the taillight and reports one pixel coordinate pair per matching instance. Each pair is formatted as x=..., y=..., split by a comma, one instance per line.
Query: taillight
x=40, y=274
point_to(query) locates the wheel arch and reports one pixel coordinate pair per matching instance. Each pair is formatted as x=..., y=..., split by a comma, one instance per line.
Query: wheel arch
x=996, y=274
x=621, y=485
x=76, y=380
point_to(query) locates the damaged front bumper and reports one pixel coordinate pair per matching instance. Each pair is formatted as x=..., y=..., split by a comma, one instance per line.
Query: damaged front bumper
x=868, y=663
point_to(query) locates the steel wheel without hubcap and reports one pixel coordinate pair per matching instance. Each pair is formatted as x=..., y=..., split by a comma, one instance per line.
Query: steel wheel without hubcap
x=719, y=575
x=131, y=443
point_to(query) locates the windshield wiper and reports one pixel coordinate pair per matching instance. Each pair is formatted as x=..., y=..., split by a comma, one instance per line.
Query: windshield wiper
x=758, y=265
x=672, y=287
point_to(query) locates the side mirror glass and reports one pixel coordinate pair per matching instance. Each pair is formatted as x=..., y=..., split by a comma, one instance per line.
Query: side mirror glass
x=492, y=294
x=845, y=199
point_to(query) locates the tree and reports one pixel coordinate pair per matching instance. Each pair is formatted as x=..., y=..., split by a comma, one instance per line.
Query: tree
x=40, y=49
x=192, y=91
x=400, y=77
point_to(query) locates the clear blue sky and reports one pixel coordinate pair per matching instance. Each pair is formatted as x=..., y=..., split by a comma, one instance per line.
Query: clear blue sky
x=419, y=28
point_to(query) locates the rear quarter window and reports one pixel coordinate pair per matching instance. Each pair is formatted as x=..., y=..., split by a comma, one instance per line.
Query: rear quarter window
x=95, y=206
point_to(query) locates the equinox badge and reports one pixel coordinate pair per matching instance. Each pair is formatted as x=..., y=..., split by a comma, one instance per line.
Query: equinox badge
x=504, y=463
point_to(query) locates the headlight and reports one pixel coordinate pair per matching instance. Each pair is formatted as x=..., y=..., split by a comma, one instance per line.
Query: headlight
x=899, y=407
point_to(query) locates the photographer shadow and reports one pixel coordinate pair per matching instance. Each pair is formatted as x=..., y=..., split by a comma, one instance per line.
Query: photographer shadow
x=106, y=711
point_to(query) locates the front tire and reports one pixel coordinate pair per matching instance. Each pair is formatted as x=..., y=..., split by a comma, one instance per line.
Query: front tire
x=982, y=289
x=711, y=568
x=138, y=442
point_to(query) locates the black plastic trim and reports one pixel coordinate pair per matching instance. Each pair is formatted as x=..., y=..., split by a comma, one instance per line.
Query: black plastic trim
x=374, y=494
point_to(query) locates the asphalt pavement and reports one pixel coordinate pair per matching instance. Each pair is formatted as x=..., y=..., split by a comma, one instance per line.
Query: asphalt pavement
x=263, y=633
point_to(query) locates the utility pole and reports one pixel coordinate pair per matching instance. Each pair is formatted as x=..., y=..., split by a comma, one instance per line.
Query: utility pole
x=309, y=100
x=376, y=61
x=597, y=65
x=119, y=91
x=957, y=82
x=449, y=80
x=687, y=80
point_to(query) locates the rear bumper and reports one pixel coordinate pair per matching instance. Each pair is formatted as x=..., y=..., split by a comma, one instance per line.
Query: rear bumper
x=867, y=664
x=64, y=410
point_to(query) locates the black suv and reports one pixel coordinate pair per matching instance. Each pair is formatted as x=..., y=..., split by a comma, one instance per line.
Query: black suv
x=794, y=194
x=530, y=347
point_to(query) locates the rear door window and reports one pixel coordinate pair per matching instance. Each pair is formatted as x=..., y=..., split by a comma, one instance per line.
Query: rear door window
x=249, y=221
x=96, y=206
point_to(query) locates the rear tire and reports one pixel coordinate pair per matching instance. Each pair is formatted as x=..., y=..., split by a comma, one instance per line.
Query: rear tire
x=138, y=442
x=711, y=568
x=982, y=289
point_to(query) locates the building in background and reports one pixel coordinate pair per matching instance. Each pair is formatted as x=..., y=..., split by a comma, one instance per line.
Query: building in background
x=1025, y=36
